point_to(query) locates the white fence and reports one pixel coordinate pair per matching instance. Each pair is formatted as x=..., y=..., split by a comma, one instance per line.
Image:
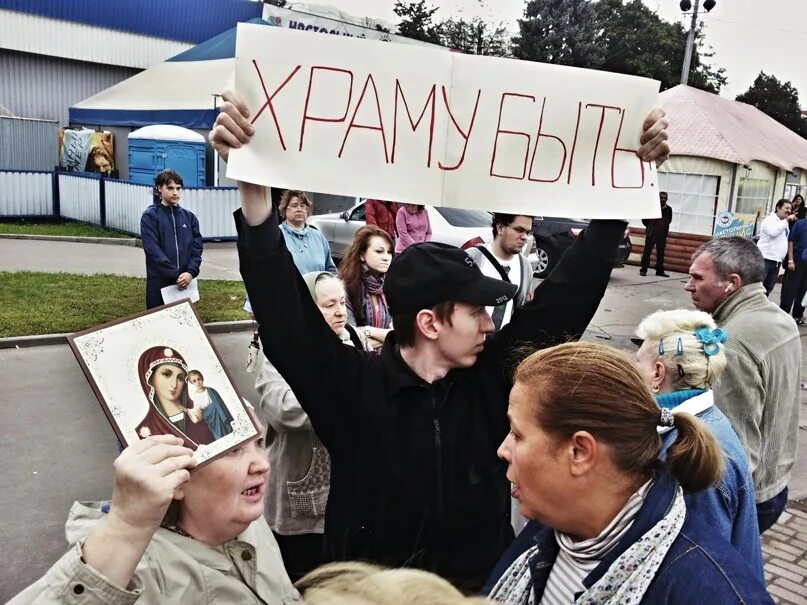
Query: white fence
x=214, y=208
x=125, y=203
x=24, y=193
x=109, y=203
x=80, y=198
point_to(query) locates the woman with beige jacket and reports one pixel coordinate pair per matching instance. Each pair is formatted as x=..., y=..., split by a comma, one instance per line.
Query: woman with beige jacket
x=172, y=534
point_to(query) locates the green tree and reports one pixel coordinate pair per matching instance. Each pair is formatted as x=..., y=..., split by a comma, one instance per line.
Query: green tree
x=779, y=100
x=638, y=42
x=564, y=32
x=417, y=21
x=475, y=37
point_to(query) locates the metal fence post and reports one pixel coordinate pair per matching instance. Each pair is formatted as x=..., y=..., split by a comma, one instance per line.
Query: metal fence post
x=56, y=202
x=102, y=199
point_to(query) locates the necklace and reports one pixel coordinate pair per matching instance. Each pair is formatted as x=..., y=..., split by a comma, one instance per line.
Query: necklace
x=173, y=527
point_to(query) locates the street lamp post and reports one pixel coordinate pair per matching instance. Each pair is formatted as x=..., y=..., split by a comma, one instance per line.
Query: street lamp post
x=685, y=6
x=690, y=44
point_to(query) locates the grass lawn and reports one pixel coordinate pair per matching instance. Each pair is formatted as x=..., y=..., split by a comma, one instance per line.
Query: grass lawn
x=53, y=303
x=33, y=227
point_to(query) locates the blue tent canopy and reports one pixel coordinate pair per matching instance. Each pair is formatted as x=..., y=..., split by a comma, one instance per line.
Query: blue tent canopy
x=191, y=21
x=178, y=91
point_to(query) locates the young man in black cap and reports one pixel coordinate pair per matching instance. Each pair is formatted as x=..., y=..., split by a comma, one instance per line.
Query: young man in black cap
x=413, y=432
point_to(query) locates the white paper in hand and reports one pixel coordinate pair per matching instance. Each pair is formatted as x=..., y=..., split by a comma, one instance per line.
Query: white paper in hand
x=173, y=293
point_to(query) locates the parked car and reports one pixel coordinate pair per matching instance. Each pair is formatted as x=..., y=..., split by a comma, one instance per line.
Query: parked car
x=553, y=235
x=461, y=228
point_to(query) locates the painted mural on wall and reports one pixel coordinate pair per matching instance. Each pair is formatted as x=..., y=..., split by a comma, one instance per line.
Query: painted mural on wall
x=86, y=150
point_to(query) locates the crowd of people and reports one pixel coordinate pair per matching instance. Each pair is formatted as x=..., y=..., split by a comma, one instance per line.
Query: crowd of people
x=436, y=434
x=783, y=243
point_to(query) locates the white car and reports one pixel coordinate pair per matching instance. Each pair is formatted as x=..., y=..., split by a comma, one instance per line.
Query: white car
x=461, y=228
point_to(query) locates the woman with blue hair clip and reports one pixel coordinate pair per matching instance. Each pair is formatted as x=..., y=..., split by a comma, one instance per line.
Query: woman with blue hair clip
x=681, y=357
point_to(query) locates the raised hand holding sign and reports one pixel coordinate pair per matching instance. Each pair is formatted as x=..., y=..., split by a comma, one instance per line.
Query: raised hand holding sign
x=358, y=117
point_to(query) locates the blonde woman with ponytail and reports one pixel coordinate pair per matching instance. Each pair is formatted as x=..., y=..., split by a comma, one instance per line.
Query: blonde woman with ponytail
x=611, y=523
x=681, y=356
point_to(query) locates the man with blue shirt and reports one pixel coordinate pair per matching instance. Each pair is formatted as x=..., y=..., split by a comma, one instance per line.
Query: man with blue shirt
x=795, y=285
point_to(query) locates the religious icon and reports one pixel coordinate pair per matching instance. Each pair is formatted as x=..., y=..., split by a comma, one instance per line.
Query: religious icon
x=157, y=373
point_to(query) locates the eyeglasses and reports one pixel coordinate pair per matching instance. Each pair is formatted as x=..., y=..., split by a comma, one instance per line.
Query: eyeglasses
x=297, y=206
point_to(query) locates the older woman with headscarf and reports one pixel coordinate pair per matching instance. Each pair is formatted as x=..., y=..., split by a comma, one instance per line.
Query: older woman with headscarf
x=172, y=534
x=301, y=467
x=681, y=358
x=611, y=523
x=163, y=374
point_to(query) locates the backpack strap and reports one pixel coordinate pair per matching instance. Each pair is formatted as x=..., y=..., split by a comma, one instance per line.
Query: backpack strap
x=498, y=266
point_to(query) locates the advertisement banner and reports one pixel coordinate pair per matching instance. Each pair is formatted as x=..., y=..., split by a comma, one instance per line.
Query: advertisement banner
x=730, y=224
x=354, y=117
x=284, y=17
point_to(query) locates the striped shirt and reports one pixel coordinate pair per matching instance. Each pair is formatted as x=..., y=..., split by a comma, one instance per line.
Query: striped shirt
x=576, y=560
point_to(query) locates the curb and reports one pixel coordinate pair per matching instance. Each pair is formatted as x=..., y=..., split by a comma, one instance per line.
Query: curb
x=39, y=340
x=113, y=241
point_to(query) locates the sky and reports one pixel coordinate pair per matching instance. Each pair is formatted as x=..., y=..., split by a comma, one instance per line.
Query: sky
x=748, y=36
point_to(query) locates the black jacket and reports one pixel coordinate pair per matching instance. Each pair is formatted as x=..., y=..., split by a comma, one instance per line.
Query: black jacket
x=173, y=245
x=658, y=228
x=415, y=479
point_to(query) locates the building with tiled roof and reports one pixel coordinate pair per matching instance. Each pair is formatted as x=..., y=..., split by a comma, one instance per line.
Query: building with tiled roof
x=726, y=156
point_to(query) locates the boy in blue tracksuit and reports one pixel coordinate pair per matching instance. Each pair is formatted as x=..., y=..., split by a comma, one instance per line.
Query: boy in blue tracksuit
x=171, y=240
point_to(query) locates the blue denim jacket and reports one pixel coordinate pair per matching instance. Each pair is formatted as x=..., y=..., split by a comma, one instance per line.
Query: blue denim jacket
x=700, y=567
x=730, y=506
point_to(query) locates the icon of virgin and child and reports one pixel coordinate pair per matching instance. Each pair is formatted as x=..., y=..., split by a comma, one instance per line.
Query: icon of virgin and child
x=179, y=402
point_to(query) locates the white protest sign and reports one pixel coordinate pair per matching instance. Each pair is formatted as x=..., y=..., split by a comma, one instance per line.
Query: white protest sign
x=358, y=117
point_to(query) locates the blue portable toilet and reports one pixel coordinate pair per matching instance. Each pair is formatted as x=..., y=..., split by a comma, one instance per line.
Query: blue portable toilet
x=152, y=149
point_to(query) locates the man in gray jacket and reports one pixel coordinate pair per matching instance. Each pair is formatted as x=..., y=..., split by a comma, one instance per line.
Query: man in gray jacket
x=502, y=259
x=759, y=390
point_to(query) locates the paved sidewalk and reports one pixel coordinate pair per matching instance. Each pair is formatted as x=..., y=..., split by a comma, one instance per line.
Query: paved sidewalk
x=784, y=547
x=219, y=260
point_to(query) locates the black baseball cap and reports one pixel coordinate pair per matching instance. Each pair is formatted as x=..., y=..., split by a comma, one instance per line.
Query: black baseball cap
x=428, y=274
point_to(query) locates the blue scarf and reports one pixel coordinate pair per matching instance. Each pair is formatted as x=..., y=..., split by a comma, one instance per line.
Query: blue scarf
x=668, y=401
